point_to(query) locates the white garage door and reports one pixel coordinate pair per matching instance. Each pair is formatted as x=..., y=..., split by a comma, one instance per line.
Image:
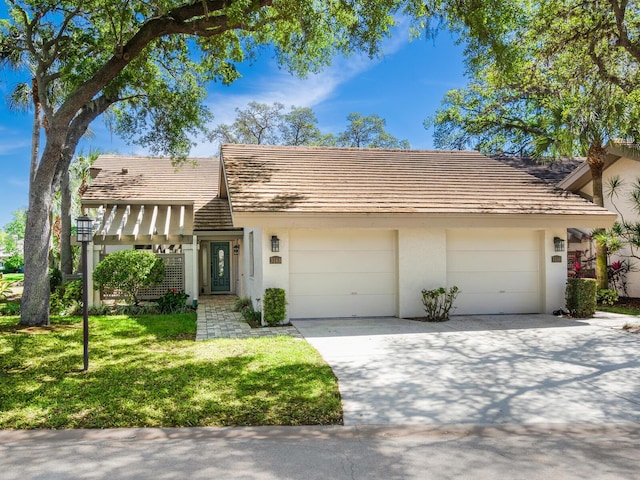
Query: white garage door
x=341, y=273
x=497, y=270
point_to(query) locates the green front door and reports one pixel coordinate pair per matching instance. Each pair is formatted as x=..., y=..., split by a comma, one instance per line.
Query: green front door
x=220, y=267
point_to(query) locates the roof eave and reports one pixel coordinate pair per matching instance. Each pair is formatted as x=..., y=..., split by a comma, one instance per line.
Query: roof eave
x=581, y=176
x=601, y=219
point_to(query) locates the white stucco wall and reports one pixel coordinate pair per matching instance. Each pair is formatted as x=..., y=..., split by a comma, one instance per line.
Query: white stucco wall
x=629, y=172
x=422, y=264
x=93, y=258
x=553, y=274
x=275, y=275
x=253, y=284
x=191, y=271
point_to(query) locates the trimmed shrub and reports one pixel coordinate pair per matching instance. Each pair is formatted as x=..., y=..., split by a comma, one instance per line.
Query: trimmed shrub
x=13, y=264
x=274, y=306
x=580, y=296
x=438, y=303
x=128, y=271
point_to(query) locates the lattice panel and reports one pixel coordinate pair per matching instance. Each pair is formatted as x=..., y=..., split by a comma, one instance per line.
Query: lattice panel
x=173, y=278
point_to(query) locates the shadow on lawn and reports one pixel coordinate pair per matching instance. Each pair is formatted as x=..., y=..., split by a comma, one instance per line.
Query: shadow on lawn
x=142, y=393
x=134, y=380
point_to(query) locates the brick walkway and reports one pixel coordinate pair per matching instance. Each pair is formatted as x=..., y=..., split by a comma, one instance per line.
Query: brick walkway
x=216, y=319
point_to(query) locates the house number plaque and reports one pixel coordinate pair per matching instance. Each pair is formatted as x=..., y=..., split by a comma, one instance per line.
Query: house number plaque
x=275, y=259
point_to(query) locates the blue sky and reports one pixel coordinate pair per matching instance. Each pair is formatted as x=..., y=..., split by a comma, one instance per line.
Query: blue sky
x=404, y=86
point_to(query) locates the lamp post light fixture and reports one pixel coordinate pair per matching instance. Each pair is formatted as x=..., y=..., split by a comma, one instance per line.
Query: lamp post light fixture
x=275, y=243
x=84, y=232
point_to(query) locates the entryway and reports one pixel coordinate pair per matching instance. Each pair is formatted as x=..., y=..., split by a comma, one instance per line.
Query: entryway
x=220, y=267
x=216, y=319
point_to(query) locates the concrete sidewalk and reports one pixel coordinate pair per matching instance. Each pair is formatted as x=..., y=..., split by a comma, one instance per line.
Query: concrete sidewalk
x=483, y=370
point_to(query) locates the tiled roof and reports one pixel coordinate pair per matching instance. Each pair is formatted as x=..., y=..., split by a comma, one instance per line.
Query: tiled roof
x=552, y=171
x=156, y=180
x=343, y=180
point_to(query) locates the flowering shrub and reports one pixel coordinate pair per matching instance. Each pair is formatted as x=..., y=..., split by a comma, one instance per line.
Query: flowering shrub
x=174, y=301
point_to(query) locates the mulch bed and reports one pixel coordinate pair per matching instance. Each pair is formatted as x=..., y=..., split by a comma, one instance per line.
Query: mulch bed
x=629, y=302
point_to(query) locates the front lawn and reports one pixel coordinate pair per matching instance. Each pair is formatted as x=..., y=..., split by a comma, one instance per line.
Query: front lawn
x=13, y=277
x=147, y=371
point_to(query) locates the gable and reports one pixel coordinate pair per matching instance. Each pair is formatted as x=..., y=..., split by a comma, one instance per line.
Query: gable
x=580, y=177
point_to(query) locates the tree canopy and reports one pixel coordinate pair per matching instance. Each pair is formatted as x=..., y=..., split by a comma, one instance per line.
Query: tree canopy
x=263, y=124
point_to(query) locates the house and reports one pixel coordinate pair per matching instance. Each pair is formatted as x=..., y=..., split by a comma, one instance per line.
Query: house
x=621, y=163
x=348, y=232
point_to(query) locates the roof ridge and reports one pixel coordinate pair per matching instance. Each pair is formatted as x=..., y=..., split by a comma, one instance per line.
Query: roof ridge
x=343, y=149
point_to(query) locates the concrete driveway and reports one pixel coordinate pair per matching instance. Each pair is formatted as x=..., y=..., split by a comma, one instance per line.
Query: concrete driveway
x=483, y=370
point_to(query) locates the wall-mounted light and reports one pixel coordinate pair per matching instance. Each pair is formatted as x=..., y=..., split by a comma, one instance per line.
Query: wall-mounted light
x=275, y=243
x=236, y=249
x=558, y=243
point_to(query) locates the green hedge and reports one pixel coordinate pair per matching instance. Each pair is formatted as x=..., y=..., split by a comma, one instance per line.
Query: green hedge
x=274, y=306
x=581, y=297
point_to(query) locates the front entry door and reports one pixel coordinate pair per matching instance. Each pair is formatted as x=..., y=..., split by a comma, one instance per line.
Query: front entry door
x=220, y=267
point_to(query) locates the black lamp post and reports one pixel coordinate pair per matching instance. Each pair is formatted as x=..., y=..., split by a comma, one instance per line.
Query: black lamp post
x=84, y=229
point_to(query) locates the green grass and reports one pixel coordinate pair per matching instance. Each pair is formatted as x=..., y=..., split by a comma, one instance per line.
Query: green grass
x=13, y=277
x=616, y=309
x=147, y=371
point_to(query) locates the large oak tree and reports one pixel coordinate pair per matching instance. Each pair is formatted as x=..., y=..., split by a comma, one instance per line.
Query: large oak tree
x=149, y=62
x=548, y=78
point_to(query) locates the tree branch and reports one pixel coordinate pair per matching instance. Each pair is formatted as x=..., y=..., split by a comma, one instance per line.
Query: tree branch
x=77, y=129
x=619, y=10
x=194, y=19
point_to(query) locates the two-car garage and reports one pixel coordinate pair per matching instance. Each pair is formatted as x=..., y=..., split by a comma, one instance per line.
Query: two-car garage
x=354, y=272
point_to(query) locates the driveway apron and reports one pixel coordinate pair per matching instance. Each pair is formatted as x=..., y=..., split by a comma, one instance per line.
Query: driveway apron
x=483, y=370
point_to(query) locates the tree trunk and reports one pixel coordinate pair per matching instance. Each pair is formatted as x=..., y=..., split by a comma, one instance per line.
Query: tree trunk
x=595, y=160
x=66, y=259
x=35, y=299
x=35, y=133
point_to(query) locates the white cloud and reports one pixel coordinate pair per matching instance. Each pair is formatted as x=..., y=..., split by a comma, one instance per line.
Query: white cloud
x=280, y=86
x=10, y=147
x=18, y=182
